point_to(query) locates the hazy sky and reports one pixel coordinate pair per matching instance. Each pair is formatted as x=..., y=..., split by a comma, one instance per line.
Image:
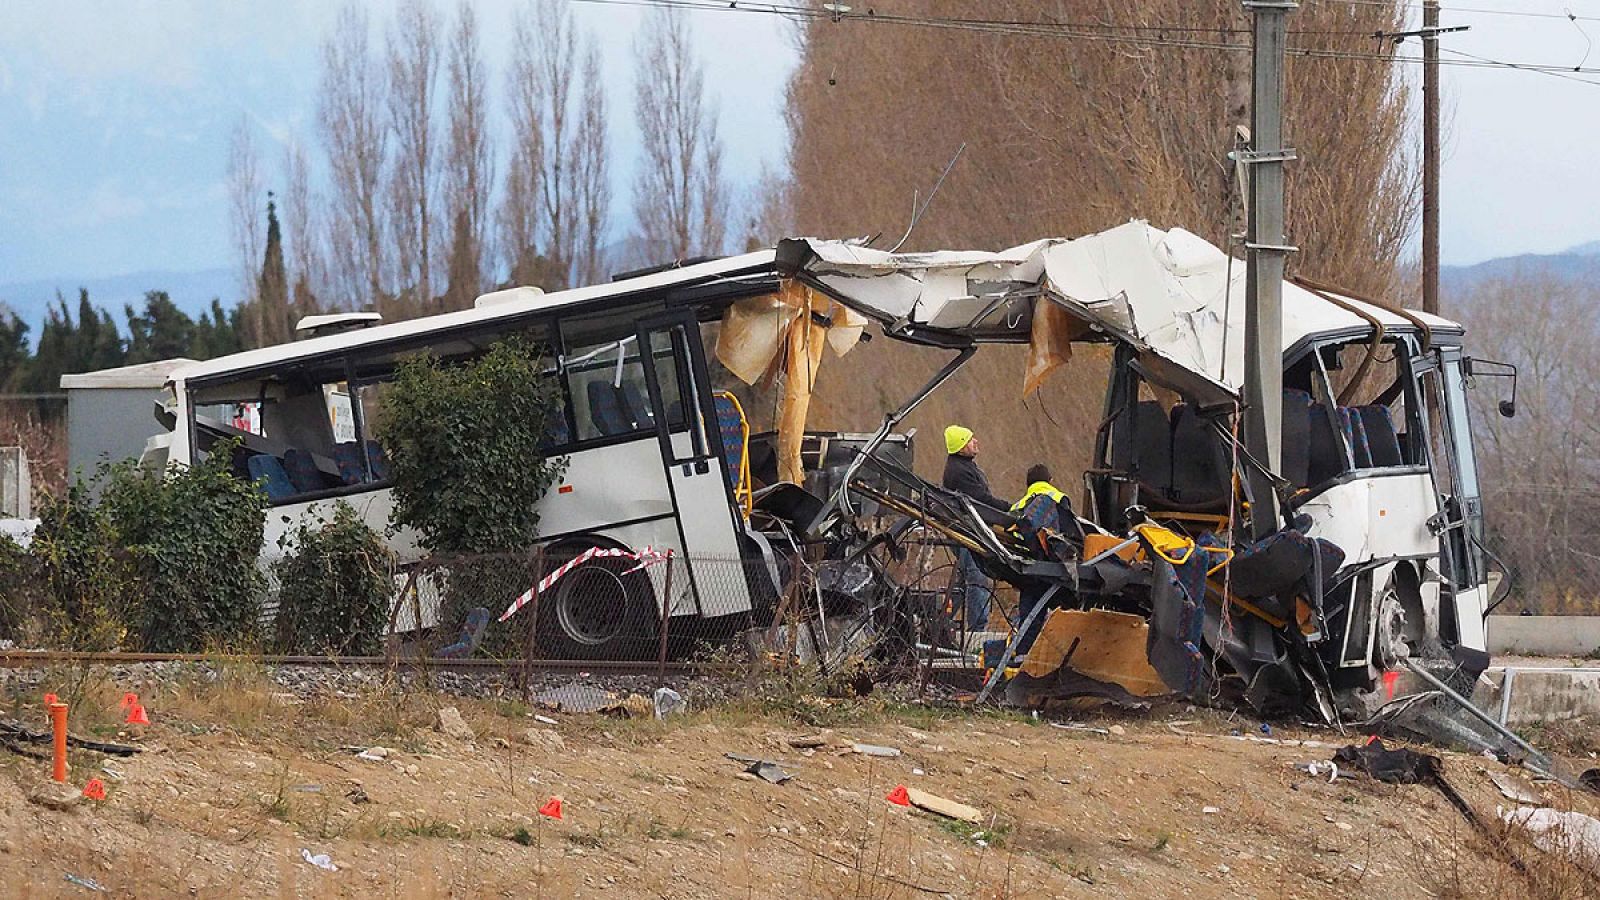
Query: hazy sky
x=115, y=116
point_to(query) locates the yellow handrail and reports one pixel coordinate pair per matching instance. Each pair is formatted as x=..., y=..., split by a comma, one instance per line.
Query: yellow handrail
x=742, y=491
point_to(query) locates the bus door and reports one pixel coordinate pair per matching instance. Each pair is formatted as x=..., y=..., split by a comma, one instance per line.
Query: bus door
x=691, y=452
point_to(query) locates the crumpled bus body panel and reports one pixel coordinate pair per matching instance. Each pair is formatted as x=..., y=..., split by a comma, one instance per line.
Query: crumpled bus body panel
x=1175, y=297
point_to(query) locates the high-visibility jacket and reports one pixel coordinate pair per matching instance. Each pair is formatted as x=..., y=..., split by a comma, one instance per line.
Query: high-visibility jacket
x=1034, y=490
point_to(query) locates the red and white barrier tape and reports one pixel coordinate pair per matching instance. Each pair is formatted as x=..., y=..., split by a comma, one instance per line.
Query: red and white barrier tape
x=645, y=557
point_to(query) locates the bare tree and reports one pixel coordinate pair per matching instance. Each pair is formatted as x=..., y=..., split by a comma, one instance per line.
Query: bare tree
x=1069, y=135
x=304, y=247
x=246, y=191
x=555, y=51
x=591, y=163
x=413, y=65
x=519, y=214
x=468, y=174
x=355, y=140
x=679, y=197
x=1538, y=470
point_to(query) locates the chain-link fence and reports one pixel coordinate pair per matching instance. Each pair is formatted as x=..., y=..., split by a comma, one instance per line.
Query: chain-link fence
x=850, y=615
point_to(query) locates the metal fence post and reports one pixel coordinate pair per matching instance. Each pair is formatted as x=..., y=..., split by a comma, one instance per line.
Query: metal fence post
x=532, y=651
x=666, y=618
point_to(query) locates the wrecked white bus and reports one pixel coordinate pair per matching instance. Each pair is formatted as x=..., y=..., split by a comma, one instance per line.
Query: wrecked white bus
x=1379, y=557
x=639, y=427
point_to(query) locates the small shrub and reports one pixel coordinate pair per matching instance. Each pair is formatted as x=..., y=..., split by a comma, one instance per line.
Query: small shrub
x=335, y=588
x=466, y=448
x=85, y=582
x=465, y=444
x=194, y=535
x=21, y=590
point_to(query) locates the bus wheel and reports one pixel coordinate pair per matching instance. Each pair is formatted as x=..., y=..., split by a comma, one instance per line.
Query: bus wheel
x=599, y=610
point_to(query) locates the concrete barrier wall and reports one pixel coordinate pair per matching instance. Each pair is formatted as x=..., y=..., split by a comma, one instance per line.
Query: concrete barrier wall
x=1566, y=636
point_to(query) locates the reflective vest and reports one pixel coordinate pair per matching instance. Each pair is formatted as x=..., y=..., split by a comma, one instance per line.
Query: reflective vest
x=1034, y=490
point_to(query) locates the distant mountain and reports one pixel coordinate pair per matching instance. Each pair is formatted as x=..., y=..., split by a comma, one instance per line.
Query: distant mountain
x=1580, y=263
x=191, y=291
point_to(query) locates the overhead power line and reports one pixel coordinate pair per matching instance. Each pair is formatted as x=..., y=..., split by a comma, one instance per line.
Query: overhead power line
x=1145, y=36
x=1480, y=11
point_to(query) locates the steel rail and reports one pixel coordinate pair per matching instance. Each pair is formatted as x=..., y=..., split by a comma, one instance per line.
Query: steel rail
x=23, y=658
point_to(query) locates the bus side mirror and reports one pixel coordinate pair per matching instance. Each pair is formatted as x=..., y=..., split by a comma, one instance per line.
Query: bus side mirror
x=1492, y=369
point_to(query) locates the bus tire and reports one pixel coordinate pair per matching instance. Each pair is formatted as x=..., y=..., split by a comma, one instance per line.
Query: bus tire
x=597, y=611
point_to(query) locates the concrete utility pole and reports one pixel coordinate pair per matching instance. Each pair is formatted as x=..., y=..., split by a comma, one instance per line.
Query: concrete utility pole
x=1264, y=243
x=1430, y=156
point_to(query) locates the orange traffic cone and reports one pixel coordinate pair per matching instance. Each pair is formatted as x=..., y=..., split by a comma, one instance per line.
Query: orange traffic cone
x=136, y=715
x=898, y=796
x=129, y=700
x=552, y=808
x=95, y=789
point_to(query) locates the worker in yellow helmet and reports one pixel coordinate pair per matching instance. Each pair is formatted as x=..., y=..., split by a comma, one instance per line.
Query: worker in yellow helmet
x=962, y=475
x=1038, y=483
x=1050, y=516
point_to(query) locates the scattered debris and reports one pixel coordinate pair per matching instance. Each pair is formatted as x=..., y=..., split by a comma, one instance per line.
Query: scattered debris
x=1513, y=789
x=669, y=703
x=875, y=750
x=452, y=725
x=13, y=731
x=633, y=706
x=321, y=860
x=1317, y=768
x=948, y=808
x=544, y=720
x=358, y=795
x=1572, y=834
x=768, y=771
x=1402, y=766
x=1074, y=726
x=1210, y=810
x=88, y=883
x=807, y=741
x=575, y=697
x=374, y=754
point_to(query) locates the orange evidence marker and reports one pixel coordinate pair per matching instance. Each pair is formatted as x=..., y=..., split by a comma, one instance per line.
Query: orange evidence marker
x=129, y=700
x=95, y=789
x=51, y=700
x=552, y=808
x=136, y=715
x=898, y=796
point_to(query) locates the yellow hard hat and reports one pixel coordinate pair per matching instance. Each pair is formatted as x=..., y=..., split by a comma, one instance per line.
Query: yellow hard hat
x=956, y=438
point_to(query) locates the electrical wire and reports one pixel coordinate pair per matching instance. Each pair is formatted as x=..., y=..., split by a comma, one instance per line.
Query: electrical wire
x=1476, y=11
x=1108, y=33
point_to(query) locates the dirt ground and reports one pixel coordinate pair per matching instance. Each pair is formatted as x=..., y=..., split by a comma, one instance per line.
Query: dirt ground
x=238, y=776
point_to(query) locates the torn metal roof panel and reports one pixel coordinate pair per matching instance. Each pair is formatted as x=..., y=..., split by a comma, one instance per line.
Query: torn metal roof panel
x=1171, y=294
